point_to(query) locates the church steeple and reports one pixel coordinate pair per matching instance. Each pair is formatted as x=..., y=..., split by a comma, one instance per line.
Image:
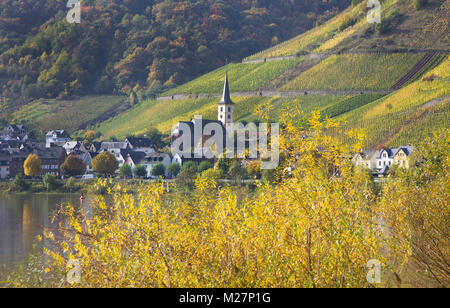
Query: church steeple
x=226, y=106
x=226, y=99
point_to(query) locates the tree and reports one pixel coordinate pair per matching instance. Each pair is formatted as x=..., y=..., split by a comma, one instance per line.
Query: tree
x=158, y=170
x=140, y=171
x=174, y=169
x=32, y=166
x=155, y=136
x=73, y=166
x=105, y=164
x=89, y=136
x=204, y=165
x=126, y=171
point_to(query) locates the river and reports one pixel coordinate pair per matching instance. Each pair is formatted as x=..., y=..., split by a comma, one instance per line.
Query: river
x=22, y=219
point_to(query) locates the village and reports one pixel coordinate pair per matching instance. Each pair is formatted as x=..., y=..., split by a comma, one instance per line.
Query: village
x=16, y=146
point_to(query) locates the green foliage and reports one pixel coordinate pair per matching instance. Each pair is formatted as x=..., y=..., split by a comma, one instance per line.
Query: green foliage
x=186, y=179
x=71, y=185
x=140, y=171
x=388, y=22
x=155, y=136
x=223, y=165
x=133, y=98
x=19, y=183
x=158, y=170
x=268, y=176
x=190, y=166
x=204, y=165
x=50, y=182
x=126, y=171
x=174, y=169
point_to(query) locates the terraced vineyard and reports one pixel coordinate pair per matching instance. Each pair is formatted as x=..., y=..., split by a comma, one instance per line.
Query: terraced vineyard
x=70, y=115
x=356, y=71
x=244, y=77
x=395, y=114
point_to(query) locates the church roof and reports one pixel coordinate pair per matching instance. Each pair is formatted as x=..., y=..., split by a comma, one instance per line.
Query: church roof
x=226, y=99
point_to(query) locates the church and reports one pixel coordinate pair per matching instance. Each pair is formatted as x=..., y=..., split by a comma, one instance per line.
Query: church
x=192, y=139
x=201, y=139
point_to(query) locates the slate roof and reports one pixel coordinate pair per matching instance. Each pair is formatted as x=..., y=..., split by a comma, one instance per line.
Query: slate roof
x=138, y=142
x=226, y=98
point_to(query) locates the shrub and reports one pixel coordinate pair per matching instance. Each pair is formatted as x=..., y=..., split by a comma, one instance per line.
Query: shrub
x=174, y=169
x=19, y=183
x=140, y=171
x=204, y=165
x=126, y=171
x=158, y=170
x=50, y=182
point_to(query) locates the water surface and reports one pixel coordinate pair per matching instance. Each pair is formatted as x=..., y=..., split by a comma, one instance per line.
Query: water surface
x=22, y=219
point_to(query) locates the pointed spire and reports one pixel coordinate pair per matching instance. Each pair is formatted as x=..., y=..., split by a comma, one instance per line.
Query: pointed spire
x=226, y=99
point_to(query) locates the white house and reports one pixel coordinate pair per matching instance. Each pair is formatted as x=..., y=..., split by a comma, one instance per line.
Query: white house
x=59, y=137
x=148, y=160
x=74, y=146
x=153, y=159
x=119, y=149
x=366, y=159
x=385, y=158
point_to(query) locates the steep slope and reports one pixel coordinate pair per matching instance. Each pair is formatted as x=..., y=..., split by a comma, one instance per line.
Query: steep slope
x=390, y=93
x=125, y=45
x=402, y=28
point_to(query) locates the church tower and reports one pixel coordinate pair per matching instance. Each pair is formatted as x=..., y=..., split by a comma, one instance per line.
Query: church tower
x=226, y=107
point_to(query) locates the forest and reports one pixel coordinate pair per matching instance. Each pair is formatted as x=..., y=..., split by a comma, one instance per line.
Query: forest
x=131, y=45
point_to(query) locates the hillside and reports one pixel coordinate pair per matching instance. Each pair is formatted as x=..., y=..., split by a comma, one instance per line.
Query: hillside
x=399, y=94
x=132, y=45
x=403, y=28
